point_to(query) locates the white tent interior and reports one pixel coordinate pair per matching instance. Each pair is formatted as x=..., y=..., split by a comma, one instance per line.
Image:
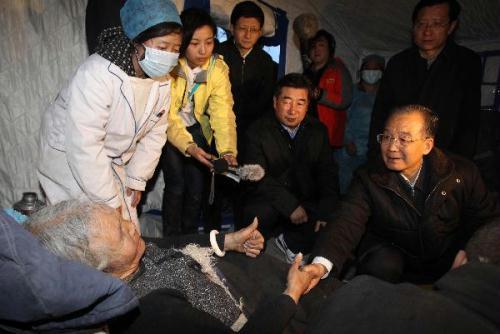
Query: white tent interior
x=43, y=42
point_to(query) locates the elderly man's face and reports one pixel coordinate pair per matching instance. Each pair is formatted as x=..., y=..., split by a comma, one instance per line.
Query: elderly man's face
x=290, y=107
x=405, y=149
x=120, y=239
x=431, y=28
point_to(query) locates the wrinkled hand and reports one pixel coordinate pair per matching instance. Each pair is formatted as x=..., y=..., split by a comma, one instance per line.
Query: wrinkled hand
x=319, y=224
x=299, y=216
x=248, y=240
x=351, y=149
x=317, y=271
x=199, y=154
x=298, y=280
x=231, y=160
x=136, y=196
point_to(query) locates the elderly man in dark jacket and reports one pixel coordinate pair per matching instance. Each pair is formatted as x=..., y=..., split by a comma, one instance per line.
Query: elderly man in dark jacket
x=412, y=211
x=300, y=187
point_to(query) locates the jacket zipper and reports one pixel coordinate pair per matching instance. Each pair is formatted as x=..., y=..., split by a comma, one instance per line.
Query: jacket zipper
x=243, y=71
x=404, y=199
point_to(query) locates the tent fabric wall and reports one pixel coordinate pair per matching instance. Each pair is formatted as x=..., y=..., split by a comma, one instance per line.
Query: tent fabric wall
x=43, y=42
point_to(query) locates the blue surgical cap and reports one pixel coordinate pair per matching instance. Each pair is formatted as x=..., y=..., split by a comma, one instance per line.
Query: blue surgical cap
x=139, y=15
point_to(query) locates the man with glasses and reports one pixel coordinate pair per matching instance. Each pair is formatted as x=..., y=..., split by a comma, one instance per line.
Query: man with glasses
x=251, y=70
x=252, y=73
x=407, y=214
x=437, y=73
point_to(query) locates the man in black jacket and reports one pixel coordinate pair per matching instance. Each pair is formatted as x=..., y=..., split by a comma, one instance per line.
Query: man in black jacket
x=300, y=188
x=252, y=73
x=251, y=70
x=438, y=74
x=408, y=213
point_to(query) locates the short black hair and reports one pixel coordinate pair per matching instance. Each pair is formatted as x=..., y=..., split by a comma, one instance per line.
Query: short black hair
x=294, y=80
x=484, y=245
x=247, y=9
x=160, y=29
x=453, y=6
x=193, y=19
x=431, y=120
x=327, y=36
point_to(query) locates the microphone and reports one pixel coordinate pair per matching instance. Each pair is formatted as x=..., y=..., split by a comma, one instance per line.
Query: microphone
x=251, y=173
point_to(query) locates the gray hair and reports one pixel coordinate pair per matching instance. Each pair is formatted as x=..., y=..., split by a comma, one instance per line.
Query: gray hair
x=65, y=229
x=431, y=120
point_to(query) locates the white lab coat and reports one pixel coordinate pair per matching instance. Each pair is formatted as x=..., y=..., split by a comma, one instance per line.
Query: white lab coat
x=93, y=141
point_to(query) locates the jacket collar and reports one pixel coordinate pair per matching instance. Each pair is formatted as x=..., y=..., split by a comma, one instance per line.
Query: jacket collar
x=438, y=166
x=201, y=77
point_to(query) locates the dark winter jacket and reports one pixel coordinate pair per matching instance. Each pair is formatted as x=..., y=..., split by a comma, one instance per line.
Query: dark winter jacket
x=298, y=171
x=252, y=83
x=451, y=87
x=457, y=204
x=465, y=300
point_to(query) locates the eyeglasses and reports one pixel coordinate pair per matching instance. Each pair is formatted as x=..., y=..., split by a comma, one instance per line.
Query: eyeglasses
x=402, y=141
x=251, y=30
x=432, y=25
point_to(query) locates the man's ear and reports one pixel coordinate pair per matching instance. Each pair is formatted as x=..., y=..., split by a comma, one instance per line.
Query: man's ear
x=429, y=145
x=275, y=102
x=460, y=259
x=231, y=29
x=453, y=25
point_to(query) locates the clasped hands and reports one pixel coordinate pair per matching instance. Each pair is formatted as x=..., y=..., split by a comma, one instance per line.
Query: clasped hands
x=300, y=279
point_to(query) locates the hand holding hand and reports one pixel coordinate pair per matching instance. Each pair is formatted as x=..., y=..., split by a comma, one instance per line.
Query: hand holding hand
x=248, y=240
x=298, y=280
x=199, y=154
x=136, y=196
x=317, y=271
x=299, y=216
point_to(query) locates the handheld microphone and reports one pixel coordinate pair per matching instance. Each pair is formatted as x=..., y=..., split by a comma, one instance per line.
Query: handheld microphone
x=251, y=173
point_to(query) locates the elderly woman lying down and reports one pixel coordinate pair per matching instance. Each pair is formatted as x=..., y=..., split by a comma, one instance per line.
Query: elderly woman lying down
x=183, y=287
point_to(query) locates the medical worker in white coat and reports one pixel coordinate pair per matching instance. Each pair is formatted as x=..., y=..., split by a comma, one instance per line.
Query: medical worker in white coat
x=102, y=137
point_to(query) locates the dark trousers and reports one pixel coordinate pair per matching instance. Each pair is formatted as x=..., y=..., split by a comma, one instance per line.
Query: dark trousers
x=298, y=238
x=182, y=197
x=393, y=264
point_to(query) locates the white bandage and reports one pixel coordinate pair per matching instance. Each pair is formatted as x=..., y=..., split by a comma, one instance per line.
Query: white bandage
x=213, y=243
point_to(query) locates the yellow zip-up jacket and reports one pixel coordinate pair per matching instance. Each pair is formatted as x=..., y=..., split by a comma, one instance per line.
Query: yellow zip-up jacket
x=213, y=108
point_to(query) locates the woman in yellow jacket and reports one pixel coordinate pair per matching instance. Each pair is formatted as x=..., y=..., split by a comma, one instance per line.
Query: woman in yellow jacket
x=201, y=112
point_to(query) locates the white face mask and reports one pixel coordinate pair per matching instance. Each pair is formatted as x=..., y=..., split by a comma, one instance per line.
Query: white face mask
x=371, y=77
x=157, y=63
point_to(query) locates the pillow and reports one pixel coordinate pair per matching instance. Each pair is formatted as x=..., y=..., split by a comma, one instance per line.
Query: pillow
x=41, y=291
